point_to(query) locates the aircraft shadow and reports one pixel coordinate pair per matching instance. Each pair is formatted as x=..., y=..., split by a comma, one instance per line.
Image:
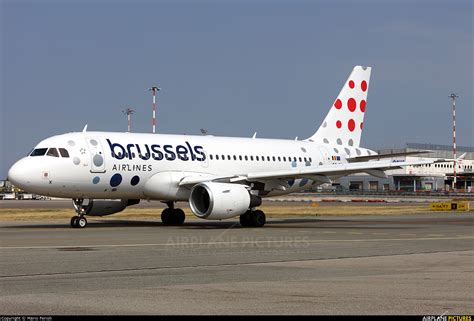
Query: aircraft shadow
x=294, y=223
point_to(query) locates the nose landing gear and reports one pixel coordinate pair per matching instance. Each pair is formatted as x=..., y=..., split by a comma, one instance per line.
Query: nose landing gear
x=79, y=221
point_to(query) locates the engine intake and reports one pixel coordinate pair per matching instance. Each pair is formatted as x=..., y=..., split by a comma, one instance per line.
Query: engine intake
x=217, y=201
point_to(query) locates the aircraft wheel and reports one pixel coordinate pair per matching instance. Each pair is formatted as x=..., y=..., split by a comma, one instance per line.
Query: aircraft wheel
x=178, y=216
x=245, y=220
x=166, y=216
x=258, y=218
x=81, y=222
x=74, y=221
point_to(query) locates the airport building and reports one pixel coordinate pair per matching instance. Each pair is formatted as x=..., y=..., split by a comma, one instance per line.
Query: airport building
x=432, y=177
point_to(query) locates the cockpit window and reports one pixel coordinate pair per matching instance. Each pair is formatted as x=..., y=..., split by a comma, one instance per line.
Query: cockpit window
x=38, y=152
x=63, y=152
x=52, y=152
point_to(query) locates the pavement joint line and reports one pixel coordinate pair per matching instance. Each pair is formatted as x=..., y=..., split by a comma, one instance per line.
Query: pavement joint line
x=178, y=244
x=223, y=264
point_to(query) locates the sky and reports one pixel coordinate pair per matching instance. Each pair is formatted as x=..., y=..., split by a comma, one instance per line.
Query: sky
x=232, y=67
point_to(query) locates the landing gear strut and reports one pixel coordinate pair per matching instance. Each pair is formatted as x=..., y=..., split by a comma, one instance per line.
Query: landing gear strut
x=172, y=216
x=253, y=219
x=79, y=221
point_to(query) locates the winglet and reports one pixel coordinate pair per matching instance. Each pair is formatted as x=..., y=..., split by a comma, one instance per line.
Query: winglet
x=85, y=129
x=254, y=135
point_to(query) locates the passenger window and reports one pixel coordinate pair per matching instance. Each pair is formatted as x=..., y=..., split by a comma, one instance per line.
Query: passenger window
x=251, y=158
x=268, y=158
x=228, y=157
x=235, y=157
x=52, y=152
x=273, y=158
x=38, y=152
x=279, y=158
x=284, y=158
x=256, y=157
x=210, y=156
x=240, y=157
x=217, y=157
x=246, y=158
x=63, y=152
x=300, y=160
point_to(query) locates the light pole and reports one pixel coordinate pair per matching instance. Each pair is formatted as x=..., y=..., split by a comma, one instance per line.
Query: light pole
x=154, y=89
x=453, y=96
x=129, y=113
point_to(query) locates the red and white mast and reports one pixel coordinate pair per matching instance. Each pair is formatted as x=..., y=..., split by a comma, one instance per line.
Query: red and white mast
x=154, y=90
x=453, y=96
x=129, y=113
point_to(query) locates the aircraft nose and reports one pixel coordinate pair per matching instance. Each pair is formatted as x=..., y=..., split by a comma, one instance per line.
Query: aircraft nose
x=17, y=174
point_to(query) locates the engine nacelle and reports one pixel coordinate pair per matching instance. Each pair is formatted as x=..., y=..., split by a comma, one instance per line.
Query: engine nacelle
x=105, y=207
x=165, y=186
x=217, y=201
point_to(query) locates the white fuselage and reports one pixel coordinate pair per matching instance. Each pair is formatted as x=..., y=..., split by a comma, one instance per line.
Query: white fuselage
x=108, y=165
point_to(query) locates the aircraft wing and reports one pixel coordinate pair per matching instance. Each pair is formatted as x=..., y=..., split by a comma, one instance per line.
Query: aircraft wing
x=374, y=168
x=387, y=155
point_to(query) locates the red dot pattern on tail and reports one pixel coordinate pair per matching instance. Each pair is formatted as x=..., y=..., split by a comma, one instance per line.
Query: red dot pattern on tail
x=351, y=125
x=361, y=125
x=351, y=104
x=342, y=126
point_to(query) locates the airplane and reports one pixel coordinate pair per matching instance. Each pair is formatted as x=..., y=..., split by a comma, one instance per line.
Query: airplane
x=221, y=177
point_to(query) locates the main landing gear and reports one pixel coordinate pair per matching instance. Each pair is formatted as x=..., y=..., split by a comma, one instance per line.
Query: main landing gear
x=79, y=221
x=172, y=216
x=253, y=219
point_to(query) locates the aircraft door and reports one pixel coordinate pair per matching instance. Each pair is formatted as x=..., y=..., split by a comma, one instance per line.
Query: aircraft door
x=97, y=155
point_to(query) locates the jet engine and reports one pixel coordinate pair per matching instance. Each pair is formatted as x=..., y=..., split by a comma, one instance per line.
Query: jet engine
x=105, y=207
x=217, y=201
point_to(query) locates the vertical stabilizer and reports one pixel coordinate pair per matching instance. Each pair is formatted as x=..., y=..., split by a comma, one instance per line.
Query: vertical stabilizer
x=344, y=123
